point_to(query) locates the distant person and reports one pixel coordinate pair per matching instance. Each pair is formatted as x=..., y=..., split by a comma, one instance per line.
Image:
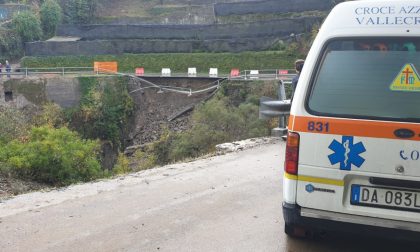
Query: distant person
x=8, y=69
x=298, y=66
x=1, y=70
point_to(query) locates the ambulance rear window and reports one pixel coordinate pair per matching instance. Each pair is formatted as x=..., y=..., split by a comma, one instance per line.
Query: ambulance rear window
x=368, y=78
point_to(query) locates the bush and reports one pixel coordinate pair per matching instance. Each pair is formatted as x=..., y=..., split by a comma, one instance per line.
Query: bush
x=178, y=62
x=51, y=115
x=54, y=156
x=27, y=25
x=122, y=165
x=214, y=122
x=13, y=124
x=50, y=17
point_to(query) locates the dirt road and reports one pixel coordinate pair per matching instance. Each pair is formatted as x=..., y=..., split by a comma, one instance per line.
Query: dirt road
x=223, y=203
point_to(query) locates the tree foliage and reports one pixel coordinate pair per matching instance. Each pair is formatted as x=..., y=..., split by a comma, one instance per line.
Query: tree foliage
x=10, y=45
x=79, y=11
x=27, y=25
x=104, y=111
x=51, y=14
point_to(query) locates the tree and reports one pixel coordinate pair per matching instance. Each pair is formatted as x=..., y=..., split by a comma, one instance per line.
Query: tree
x=79, y=11
x=51, y=14
x=10, y=45
x=27, y=25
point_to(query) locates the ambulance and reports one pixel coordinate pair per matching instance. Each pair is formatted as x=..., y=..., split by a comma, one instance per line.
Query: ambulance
x=352, y=158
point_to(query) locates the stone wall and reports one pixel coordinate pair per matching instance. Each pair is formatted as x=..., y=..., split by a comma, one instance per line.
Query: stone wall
x=271, y=6
x=118, y=39
x=200, y=32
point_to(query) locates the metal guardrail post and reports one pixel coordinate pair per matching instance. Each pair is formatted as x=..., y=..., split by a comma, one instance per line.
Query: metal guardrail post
x=63, y=71
x=26, y=72
x=280, y=108
x=281, y=93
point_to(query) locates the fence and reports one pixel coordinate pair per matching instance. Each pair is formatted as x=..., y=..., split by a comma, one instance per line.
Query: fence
x=246, y=75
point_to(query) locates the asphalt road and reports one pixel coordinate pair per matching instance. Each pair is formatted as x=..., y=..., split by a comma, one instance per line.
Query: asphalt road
x=222, y=203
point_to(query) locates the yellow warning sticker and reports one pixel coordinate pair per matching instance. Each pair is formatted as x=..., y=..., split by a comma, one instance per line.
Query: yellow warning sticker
x=407, y=80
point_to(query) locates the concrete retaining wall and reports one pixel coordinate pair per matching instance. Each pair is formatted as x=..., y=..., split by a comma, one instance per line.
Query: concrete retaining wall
x=63, y=91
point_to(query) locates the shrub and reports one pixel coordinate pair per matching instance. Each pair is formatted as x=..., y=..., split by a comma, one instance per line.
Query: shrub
x=13, y=124
x=216, y=122
x=122, y=165
x=27, y=25
x=51, y=115
x=54, y=156
x=50, y=17
x=178, y=62
x=145, y=160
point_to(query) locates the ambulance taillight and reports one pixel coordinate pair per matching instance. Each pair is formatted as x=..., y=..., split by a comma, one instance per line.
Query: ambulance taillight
x=292, y=153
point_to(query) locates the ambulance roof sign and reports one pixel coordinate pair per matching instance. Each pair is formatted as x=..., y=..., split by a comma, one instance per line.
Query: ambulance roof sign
x=407, y=80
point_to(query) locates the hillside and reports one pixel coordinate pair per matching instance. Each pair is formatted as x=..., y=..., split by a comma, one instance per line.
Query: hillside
x=201, y=11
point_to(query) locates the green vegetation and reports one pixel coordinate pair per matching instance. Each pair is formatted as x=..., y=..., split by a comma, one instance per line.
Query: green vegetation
x=27, y=25
x=162, y=10
x=50, y=17
x=41, y=145
x=230, y=116
x=178, y=62
x=104, y=110
x=268, y=16
x=10, y=45
x=13, y=125
x=54, y=156
x=79, y=11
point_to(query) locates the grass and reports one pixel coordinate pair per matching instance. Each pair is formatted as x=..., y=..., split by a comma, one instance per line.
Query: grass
x=178, y=62
x=268, y=16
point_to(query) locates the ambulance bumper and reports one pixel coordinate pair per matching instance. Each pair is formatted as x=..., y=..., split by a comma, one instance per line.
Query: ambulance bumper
x=324, y=221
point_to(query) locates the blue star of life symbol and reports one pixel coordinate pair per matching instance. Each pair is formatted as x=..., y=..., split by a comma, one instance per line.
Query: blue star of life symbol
x=346, y=153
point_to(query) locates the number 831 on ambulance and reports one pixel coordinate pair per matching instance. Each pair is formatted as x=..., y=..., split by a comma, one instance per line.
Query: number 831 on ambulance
x=353, y=148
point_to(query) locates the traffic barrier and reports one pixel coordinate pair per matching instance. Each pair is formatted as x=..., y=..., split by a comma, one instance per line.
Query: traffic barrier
x=140, y=71
x=192, y=72
x=253, y=74
x=213, y=72
x=234, y=72
x=166, y=72
x=270, y=108
x=105, y=67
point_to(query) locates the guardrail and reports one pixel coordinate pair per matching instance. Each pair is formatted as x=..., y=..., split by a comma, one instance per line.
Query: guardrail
x=245, y=75
x=270, y=108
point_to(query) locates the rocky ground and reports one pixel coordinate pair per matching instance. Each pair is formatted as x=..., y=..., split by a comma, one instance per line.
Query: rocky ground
x=11, y=186
x=156, y=111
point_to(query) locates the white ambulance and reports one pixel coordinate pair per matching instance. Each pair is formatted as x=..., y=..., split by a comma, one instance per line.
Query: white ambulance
x=353, y=147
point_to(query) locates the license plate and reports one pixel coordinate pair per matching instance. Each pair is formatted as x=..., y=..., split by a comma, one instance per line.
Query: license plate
x=381, y=197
